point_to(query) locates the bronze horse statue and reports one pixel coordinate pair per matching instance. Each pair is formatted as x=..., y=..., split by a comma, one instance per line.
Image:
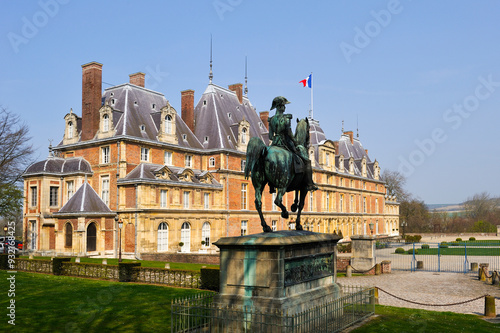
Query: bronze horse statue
x=274, y=165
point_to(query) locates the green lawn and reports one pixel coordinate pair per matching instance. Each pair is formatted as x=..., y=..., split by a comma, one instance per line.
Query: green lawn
x=398, y=320
x=47, y=303
x=144, y=263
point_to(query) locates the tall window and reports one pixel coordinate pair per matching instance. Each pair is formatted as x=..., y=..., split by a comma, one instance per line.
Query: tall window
x=244, y=136
x=341, y=204
x=168, y=124
x=68, y=230
x=206, y=200
x=105, y=189
x=105, y=123
x=162, y=237
x=186, y=237
x=243, y=228
x=144, y=154
x=327, y=159
x=91, y=237
x=54, y=194
x=243, y=196
x=163, y=198
x=105, y=155
x=311, y=201
x=33, y=235
x=34, y=196
x=376, y=205
x=274, y=225
x=243, y=164
x=168, y=158
x=188, y=161
x=70, y=189
x=186, y=200
x=211, y=162
x=205, y=233
x=274, y=204
x=70, y=130
x=364, y=204
x=351, y=206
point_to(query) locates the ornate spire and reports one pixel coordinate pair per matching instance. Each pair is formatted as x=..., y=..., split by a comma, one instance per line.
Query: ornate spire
x=246, y=87
x=342, y=126
x=210, y=75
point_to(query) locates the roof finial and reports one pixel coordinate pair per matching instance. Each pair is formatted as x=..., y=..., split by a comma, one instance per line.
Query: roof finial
x=342, y=126
x=357, y=126
x=71, y=111
x=246, y=87
x=51, y=153
x=210, y=75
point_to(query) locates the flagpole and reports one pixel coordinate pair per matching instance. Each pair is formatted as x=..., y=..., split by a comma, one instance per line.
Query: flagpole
x=311, y=113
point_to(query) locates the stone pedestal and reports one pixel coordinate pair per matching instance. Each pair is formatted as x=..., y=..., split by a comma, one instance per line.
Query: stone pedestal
x=363, y=252
x=288, y=271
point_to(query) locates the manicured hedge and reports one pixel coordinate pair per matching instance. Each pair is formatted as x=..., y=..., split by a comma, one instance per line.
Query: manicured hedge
x=57, y=265
x=210, y=278
x=472, y=238
x=425, y=246
x=443, y=245
x=410, y=251
x=126, y=270
x=400, y=250
x=458, y=239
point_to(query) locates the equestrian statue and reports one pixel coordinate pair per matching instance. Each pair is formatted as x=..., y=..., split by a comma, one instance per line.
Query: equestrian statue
x=284, y=165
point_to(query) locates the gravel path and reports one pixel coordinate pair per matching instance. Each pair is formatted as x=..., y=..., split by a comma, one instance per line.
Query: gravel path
x=430, y=288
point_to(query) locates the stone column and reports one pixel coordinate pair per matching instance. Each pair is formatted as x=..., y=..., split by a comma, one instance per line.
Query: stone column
x=363, y=252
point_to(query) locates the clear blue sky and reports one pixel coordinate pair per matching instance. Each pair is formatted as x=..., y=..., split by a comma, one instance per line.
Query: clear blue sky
x=422, y=77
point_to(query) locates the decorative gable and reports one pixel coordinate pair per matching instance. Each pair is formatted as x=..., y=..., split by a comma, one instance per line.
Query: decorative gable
x=341, y=163
x=163, y=173
x=167, y=131
x=185, y=175
x=243, y=134
x=376, y=170
x=106, y=127
x=327, y=155
x=206, y=177
x=363, y=167
x=351, y=165
x=71, y=134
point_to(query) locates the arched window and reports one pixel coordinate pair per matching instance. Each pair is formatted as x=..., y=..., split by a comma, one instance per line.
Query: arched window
x=70, y=129
x=162, y=237
x=168, y=124
x=205, y=234
x=105, y=123
x=186, y=237
x=91, y=237
x=244, y=135
x=68, y=230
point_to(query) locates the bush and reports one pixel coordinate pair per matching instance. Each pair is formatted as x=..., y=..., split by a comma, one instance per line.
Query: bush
x=417, y=238
x=210, y=278
x=413, y=239
x=410, y=251
x=400, y=250
x=425, y=246
x=57, y=265
x=443, y=245
x=344, y=248
x=455, y=243
x=458, y=239
x=472, y=239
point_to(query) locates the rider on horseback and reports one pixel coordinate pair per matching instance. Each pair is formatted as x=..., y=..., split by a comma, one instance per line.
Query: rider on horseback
x=281, y=135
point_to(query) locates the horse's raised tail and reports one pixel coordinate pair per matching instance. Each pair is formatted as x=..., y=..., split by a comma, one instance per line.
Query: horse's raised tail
x=256, y=149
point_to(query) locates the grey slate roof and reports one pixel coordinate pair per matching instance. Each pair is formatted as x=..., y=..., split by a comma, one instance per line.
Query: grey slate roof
x=146, y=171
x=354, y=149
x=133, y=107
x=60, y=166
x=85, y=200
x=218, y=114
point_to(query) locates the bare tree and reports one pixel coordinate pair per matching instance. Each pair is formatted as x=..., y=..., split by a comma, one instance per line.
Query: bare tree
x=395, y=182
x=15, y=148
x=480, y=206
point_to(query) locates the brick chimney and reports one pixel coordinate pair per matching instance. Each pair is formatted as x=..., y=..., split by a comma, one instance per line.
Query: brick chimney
x=187, y=108
x=91, y=99
x=138, y=79
x=264, y=117
x=336, y=146
x=351, y=136
x=238, y=89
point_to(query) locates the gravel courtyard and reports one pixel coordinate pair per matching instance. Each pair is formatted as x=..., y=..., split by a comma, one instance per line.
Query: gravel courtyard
x=430, y=288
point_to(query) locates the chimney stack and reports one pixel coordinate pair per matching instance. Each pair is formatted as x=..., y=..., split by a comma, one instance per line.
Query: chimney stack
x=238, y=89
x=264, y=117
x=336, y=146
x=91, y=99
x=187, y=108
x=351, y=136
x=138, y=79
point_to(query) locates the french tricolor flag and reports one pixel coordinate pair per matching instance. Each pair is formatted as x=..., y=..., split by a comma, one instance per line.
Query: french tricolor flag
x=307, y=81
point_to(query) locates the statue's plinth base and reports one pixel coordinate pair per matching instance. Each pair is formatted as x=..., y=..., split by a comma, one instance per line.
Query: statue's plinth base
x=289, y=271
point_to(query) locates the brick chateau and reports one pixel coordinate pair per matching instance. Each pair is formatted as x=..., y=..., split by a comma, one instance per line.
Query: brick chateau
x=176, y=179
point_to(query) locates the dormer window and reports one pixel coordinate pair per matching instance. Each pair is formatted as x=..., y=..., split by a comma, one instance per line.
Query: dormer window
x=168, y=124
x=70, y=129
x=105, y=123
x=135, y=103
x=143, y=128
x=244, y=135
x=153, y=106
x=206, y=139
x=112, y=94
x=205, y=102
x=229, y=115
x=184, y=136
x=211, y=162
x=229, y=137
x=113, y=101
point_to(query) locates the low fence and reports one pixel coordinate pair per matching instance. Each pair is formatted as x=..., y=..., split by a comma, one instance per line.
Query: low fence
x=34, y=265
x=202, y=314
x=440, y=257
x=171, y=277
x=98, y=271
